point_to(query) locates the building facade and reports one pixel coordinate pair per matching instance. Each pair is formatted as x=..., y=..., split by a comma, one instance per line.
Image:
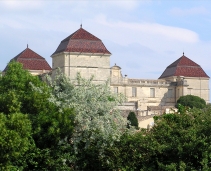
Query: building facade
x=85, y=53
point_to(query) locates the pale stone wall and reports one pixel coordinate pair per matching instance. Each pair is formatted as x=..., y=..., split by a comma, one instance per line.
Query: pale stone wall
x=145, y=123
x=85, y=64
x=38, y=72
x=162, y=96
x=198, y=87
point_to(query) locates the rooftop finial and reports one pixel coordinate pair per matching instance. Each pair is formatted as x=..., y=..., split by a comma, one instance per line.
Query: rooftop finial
x=27, y=45
x=81, y=25
x=183, y=53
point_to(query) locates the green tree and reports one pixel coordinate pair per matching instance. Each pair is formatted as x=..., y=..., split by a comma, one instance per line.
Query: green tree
x=15, y=140
x=179, y=141
x=192, y=101
x=133, y=120
x=20, y=92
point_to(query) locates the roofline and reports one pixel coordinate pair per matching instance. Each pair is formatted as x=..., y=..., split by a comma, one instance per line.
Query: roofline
x=82, y=53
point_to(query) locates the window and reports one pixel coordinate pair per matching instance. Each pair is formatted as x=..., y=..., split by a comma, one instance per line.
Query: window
x=170, y=93
x=133, y=91
x=152, y=92
x=115, y=89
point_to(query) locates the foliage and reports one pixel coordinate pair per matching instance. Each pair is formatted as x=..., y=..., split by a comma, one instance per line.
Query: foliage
x=192, y=101
x=20, y=92
x=178, y=141
x=17, y=94
x=15, y=140
x=133, y=120
x=76, y=126
x=97, y=123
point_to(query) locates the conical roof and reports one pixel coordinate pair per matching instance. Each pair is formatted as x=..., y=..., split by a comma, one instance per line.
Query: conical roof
x=31, y=60
x=83, y=42
x=184, y=67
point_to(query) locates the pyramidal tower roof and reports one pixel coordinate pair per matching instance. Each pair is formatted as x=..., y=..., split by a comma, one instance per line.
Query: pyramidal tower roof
x=83, y=42
x=184, y=67
x=31, y=60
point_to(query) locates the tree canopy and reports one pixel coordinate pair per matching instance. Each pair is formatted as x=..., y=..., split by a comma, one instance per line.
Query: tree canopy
x=192, y=101
x=32, y=127
x=63, y=125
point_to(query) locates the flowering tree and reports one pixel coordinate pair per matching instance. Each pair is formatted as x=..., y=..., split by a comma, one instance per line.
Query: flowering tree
x=97, y=120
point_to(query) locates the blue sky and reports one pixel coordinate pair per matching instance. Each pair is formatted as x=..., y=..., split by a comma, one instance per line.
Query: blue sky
x=143, y=36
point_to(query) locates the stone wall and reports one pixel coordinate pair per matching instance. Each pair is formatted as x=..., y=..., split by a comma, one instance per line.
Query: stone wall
x=88, y=65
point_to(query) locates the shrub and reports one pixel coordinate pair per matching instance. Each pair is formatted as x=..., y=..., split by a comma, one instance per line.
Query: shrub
x=133, y=120
x=191, y=101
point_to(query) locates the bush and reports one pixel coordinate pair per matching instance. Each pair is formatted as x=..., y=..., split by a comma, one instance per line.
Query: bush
x=133, y=120
x=191, y=101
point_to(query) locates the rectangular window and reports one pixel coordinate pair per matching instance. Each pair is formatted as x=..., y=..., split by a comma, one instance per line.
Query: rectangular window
x=152, y=92
x=170, y=93
x=115, y=89
x=134, y=91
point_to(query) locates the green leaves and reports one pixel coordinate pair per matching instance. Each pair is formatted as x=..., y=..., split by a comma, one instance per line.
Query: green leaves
x=192, y=101
x=34, y=133
x=133, y=120
x=15, y=138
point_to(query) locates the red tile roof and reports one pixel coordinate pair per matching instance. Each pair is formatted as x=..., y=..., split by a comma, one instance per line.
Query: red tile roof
x=184, y=67
x=31, y=60
x=82, y=41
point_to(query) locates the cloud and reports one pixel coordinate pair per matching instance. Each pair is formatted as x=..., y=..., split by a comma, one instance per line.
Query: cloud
x=21, y=5
x=145, y=30
x=190, y=11
x=124, y=4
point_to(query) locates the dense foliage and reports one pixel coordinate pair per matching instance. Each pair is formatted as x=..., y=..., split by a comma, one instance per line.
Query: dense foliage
x=15, y=140
x=178, y=141
x=32, y=127
x=98, y=123
x=76, y=126
x=133, y=120
x=192, y=101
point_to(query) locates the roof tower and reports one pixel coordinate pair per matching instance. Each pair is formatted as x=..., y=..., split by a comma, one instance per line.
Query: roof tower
x=184, y=67
x=31, y=60
x=83, y=42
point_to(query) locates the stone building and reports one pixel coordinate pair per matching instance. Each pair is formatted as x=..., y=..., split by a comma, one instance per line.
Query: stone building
x=82, y=52
x=180, y=78
x=85, y=53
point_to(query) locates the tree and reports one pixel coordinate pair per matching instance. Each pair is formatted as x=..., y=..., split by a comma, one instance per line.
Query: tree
x=15, y=140
x=133, y=120
x=179, y=141
x=26, y=95
x=192, y=101
x=98, y=124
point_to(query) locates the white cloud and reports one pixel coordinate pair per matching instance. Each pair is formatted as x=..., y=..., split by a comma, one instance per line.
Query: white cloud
x=22, y=5
x=149, y=30
x=124, y=4
x=190, y=11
